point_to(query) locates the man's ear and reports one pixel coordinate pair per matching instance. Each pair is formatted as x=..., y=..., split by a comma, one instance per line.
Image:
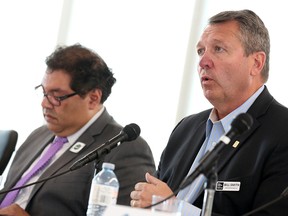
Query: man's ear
x=95, y=97
x=259, y=59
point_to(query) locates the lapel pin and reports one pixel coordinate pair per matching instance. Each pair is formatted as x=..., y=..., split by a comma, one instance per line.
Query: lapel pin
x=236, y=143
x=77, y=147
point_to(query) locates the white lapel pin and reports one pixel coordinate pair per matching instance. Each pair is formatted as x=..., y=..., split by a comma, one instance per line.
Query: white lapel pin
x=77, y=147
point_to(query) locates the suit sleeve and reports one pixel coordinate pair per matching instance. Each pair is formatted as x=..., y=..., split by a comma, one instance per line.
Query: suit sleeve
x=132, y=160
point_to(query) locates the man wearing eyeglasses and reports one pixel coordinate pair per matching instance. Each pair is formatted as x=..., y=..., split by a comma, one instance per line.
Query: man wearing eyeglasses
x=75, y=86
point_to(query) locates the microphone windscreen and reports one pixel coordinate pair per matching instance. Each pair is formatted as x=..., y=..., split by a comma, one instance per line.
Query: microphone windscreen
x=132, y=130
x=242, y=122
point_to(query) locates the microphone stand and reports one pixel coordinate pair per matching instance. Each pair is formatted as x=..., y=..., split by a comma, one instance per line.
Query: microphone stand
x=98, y=164
x=209, y=192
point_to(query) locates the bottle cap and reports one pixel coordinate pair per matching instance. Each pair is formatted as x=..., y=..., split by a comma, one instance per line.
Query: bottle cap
x=108, y=166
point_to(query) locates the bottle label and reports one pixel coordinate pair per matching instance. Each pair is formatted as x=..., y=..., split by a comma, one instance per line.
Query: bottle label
x=103, y=195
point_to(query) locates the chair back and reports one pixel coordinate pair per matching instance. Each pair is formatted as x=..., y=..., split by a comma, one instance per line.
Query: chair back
x=8, y=140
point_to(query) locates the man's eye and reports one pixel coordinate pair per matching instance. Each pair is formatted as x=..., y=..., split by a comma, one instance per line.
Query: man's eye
x=218, y=49
x=200, y=52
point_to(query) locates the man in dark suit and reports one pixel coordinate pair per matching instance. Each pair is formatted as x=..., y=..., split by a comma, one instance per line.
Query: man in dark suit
x=76, y=84
x=253, y=170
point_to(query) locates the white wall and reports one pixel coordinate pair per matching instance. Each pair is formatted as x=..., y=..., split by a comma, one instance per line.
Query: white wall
x=150, y=45
x=144, y=42
x=29, y=31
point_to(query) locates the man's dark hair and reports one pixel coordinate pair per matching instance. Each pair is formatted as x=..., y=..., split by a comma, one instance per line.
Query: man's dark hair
x=87, y=69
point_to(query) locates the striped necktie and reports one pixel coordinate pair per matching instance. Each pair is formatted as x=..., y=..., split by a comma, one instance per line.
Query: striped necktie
x=42, y=163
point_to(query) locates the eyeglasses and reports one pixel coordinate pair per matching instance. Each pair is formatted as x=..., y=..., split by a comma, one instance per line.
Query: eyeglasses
x=55, y=100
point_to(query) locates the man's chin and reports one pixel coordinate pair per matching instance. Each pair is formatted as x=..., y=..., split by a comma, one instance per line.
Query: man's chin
x=52, y=127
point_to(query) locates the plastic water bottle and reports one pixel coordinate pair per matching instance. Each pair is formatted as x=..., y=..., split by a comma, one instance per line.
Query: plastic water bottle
x=104, y=190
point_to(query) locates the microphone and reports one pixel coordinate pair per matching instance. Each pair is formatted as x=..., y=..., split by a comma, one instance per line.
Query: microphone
x=128, y=133
x=239, y=125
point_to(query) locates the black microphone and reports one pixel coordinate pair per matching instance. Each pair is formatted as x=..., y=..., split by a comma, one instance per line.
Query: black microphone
x=130, y=132
x=239, y=125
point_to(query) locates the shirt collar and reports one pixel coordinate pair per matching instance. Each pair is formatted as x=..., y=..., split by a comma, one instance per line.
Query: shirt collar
x=227, y=120
x=72, y=138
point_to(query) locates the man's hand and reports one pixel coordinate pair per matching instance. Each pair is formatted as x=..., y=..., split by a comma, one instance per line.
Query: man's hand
x=142, y=195
x=13, y=210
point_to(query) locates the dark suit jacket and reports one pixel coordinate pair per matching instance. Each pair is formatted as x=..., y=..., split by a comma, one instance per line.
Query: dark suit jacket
x=68, y=194
x=259, y=163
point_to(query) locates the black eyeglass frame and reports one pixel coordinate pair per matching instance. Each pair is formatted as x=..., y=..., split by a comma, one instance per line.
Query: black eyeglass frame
x=57, y=98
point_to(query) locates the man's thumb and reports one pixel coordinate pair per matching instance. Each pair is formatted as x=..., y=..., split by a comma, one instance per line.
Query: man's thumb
x=151, y=179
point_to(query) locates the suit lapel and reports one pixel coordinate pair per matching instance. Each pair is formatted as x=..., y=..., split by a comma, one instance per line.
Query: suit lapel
x=258, y=108
x=89, y=138
x=234, y=146
x=189, y=155
x=27, y=160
